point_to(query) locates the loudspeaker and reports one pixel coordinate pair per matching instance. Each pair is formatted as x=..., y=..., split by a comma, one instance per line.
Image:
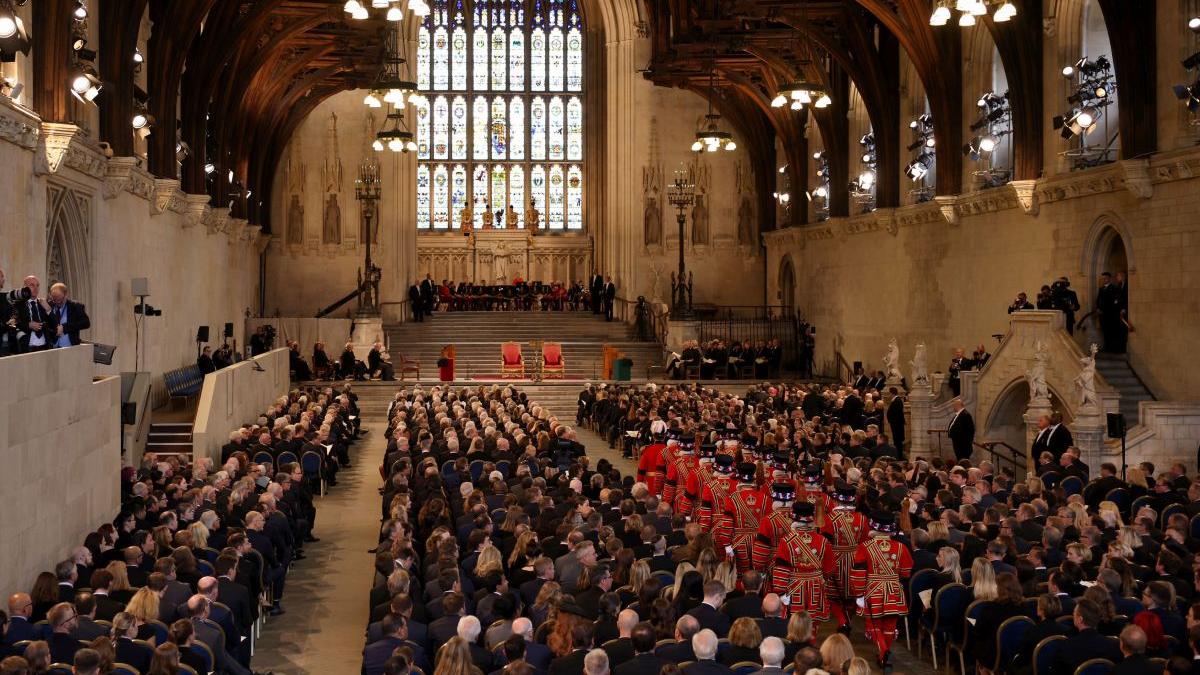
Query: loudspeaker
x=140, y=287
x=229, y=330
x=103, y=354
x=1116, y=425
x=202, y=334
x=128, y=412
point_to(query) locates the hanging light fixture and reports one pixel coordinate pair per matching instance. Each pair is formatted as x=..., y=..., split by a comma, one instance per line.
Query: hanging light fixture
x=970, y=10
x=798, y=94
x=395, y=135
x=710, y=137
x=394, y=85
x=392, y=10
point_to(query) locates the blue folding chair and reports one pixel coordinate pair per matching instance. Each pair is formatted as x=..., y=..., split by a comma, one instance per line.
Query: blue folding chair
x=476, y=469
x=1195, y=526
x=1120, y=497
x=503, y=466
x=124, y=669
x=205, y=654
x=287, y=457
x=921, y=581
x=310, y=464
x=1008, y=641
x=1168, y=512
x=1138, y=503
x=949, y=605
x=745, y=668
x=1095, y=667
x=263, y=457
x=1051, y=479
x=1072, y=485
x=962, y=644
x=1045, y=652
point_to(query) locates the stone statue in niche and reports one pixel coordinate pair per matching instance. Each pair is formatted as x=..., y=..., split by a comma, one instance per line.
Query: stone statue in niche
x=1035, y=377
x=746, y=222
x=920, y=368
x=333, y=162
x=745, y=216
x=295, y=221
x=891, y=362
x=331, y=227
x=652, y=177
x=700, y=234
x=1085, y=382
x=533, y=217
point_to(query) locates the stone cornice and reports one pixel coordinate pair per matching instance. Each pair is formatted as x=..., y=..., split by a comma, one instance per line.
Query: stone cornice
x=18, y=125
x=125, y=174
x=196, y=208
x=66, y=145
x=167, y=197
x=1138, y=177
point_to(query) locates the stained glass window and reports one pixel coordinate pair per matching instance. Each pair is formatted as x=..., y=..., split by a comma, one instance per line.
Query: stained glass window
x=499, y=129
x=458, y=193
x=441, y=198
x=441, y=60
x=537, y=129
x=575, y=129
x=516, y=128
x=441, y=128
x=554, y=60
x=458, y=56
x=555, y=123
x=492, y=139
x=480, y=121
x=458, y=128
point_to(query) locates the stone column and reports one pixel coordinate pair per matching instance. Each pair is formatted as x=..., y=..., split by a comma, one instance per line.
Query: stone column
x=920, y=408
x=1088, y=432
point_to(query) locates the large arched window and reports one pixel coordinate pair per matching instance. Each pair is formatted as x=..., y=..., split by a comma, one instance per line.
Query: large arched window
x=504, y=124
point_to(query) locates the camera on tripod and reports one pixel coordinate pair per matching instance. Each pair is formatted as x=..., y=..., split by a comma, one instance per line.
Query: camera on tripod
x=147, y=310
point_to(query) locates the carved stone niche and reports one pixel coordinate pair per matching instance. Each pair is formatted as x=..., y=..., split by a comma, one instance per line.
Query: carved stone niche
x=217, y=221
x=167, y=196
x=125, y=174
x=197, y=209
x=1027, y=196
x=67, y=145
x=948, y=206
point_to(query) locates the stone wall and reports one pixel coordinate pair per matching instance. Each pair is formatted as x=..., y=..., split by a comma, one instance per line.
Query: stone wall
x=945, y=272
x=60, y=443
x=73, y=215
x=236, y=395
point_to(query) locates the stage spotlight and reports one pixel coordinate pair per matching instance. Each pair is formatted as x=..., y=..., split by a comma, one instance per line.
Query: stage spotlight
x=1192, y=61
x=13, y=38
x=142, y=120
x=1194, y=24
x=80, y=12
x=916, y=170
x=210, y=168
x=988, y=143
x=85, y=84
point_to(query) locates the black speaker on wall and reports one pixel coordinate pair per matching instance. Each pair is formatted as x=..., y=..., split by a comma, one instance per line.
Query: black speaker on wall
x=229, y=329
x=1116, y=425
x=202, y=334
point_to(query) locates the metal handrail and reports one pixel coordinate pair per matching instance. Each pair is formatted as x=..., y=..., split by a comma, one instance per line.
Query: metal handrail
x=842, y=364
x=1016, y=455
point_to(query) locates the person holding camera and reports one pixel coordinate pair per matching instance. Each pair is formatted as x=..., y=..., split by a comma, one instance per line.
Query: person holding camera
x=1020, y=304
x=70, y=317
x=36, y=319
x=1065, y=300
x=8, y=317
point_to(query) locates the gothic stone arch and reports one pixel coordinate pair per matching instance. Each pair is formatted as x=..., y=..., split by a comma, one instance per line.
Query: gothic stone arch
x=69, y=240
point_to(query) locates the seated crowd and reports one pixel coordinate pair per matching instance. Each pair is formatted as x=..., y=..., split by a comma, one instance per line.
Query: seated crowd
x=184, y=576
x=717, y=360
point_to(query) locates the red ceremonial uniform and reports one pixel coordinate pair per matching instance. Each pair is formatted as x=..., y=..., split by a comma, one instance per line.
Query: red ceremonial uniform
x=771, y=529
x=693, y=488
x=715, y=490
x=846, y=529
x=679, y=468
x=816, y=497
x=880, y=567
x=804, y=563
x=650, y=468
x=740, y=521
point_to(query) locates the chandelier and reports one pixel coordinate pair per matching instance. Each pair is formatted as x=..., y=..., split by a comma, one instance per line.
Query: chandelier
x=970, y=10
x=393, y=86
x=800, y=94
x=395, y=135
x=710, y=137
x=360, y=10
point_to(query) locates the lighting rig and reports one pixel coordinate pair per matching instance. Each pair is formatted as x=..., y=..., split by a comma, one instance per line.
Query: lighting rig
x=1094, y=85
x=863, y=187
x=994, y=123
x=922, y=166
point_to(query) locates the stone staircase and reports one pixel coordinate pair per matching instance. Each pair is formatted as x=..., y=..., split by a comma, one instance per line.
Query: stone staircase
x=1115, y=370
x=477, y=337
x=170, y=438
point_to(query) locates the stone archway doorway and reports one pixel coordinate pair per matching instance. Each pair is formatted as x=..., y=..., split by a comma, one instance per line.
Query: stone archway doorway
x=1005, y=422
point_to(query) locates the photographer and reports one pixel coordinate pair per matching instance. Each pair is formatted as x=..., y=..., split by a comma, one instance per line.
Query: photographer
x=70, y=317
x=1065, y=300
x=1020, y=304
x=8, y=316
x=36, y=319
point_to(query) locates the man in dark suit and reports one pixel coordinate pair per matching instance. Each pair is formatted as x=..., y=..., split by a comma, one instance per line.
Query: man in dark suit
x=446, y=626
x=62, y=620
x=895, y=419
x=106, y=607
x=428, y=291
x=708, y=612
x=1086, y=644
x=86, y=628
x=961, y=431
x=1048, y=607
x=8, y=321
x=621, y=649
x=1133, y=648
x=704, y=644
x=644, y=661
x=597, y=289
x=957, y=364
x=35, y=320
x=773, y=622
x=1096, y=491
x=395, y=632
x=415, y=302
x=610, y=298
x=681, y=651
x=749, y=604
x=70, y=317
x=67, y=575
x=232, y=594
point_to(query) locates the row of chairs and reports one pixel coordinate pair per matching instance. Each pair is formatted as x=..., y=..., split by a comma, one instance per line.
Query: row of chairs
x=310, y=464
x=199, y=648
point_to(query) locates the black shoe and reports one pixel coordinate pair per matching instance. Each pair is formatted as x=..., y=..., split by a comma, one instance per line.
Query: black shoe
x=276, y=610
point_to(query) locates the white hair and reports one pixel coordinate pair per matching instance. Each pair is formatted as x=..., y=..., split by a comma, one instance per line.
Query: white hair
x=704, y=644
x=469, y=628
x=771, y=651
x=595, y=663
